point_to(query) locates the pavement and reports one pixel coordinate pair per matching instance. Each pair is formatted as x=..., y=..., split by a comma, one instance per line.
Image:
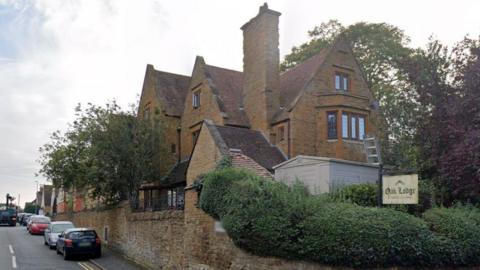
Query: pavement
x=113, y=260
x=20, y=250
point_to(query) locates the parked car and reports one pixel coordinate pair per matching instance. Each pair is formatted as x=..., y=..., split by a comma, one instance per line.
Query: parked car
x=19, y=217
x=38, y=224
x=24, y=219
x=53, y=230
x=78, y=241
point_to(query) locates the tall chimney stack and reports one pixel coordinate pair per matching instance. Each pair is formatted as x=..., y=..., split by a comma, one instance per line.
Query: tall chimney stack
x=261, y=59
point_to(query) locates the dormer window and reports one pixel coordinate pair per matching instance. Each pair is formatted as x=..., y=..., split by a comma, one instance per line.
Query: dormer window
x=196, y=99
x=341, y=82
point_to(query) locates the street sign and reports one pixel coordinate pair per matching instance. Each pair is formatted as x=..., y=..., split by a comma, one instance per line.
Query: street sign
x=400, y=189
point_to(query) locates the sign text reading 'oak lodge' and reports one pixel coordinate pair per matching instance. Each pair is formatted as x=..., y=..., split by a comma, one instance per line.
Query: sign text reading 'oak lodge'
x=400, y=189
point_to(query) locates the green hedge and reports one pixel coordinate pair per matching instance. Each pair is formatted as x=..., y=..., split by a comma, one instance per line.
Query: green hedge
x=462, y=225
x=367, y=194
x=271, y=219
x=361, y=194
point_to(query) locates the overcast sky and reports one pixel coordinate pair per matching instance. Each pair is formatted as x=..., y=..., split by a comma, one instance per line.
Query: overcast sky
x=55, y=54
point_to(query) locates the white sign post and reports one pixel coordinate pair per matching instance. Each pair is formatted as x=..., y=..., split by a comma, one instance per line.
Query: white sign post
x=400, y=189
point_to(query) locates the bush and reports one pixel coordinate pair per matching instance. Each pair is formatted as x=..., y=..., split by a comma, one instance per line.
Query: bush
x=346, y=234
x=367, y=194
x=269, y=218
x=265, y=217
x=216, y=185
x=360, y=194
x=462, y=226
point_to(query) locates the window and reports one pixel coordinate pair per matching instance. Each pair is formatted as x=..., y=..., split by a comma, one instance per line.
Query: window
x=361, y=127
x=332, y=125
x=353, y=126
x=341, y=81
x=281, y=133
x=195, y=136
x=196, y=99
x=175, y=198
x=173, y=148
x=344, y=125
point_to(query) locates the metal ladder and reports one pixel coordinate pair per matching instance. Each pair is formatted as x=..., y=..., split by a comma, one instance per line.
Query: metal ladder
x=372, y=150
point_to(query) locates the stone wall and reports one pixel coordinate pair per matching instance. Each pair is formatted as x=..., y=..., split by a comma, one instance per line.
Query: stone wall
x=153, y=239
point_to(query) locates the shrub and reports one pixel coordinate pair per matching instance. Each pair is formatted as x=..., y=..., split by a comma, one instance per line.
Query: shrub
x=269, y=218
x=346, y=234
x=215, y=186
x=462, y=226
x=361, y=194
x=265, y=217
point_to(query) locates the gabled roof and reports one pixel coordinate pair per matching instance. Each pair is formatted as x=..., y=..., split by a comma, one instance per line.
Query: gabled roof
x=227, y=84
x=171, y=89
x=294, y=80
x=250, y=143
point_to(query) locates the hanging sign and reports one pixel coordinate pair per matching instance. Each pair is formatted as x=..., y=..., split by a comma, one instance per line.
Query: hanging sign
x=400, y=189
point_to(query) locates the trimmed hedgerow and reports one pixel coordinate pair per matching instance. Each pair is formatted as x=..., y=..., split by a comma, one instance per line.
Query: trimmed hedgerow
x=271, y=219
x=462, y=225
x=361, y=194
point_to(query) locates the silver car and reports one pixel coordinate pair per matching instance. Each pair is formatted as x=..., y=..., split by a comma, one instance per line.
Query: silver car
x=54, y=230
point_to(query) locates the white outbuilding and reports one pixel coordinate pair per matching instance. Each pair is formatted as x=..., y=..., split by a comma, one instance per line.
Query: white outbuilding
x=321, y=174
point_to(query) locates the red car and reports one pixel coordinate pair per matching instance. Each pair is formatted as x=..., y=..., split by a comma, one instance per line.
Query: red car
x=38, y=224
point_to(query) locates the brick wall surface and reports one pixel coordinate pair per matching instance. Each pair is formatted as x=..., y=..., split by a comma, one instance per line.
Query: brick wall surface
x=153, y=239
x=192, y=117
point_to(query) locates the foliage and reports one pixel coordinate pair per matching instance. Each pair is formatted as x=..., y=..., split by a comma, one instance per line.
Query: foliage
x=341, y=233
x=30, y=208
x=105, y=150
x=461, y=224
x=271, y=219
x=360, y=194
x=448, y=133
x=367, y=195
x=379, y=48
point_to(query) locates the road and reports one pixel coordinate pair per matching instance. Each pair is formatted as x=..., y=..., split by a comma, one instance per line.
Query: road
x=21, y=251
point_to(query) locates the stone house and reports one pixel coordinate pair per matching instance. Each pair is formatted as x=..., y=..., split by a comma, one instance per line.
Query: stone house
x=259, y=118
x=321, y=107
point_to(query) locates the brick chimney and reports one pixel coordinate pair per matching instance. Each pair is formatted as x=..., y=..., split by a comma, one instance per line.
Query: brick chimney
x=261, y=68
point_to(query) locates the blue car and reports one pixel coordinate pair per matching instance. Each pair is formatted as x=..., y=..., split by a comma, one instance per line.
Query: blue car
x=79, y=241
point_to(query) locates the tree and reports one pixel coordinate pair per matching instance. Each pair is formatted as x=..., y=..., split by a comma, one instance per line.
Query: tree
x=30, y=208
x=448, y=133
x=106, y=151
x=379, y=48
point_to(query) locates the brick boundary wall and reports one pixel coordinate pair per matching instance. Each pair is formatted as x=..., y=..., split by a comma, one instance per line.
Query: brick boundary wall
x=175, y=239
x=152, y=239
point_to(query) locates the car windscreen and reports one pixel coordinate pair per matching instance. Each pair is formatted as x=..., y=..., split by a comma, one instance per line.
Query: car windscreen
x=42, y=220
x=82, y=234
x=58, y=228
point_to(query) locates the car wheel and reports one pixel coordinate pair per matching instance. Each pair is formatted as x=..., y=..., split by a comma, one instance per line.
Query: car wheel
x=65, y=255
x=51, y=247
x=97, y=254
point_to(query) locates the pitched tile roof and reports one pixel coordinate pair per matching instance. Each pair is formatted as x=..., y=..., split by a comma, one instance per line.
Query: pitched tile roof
x=176, y=176
x=294, y=80
x=227, y=86
x=171, y=89
x=244, y=162
x=251, y=143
